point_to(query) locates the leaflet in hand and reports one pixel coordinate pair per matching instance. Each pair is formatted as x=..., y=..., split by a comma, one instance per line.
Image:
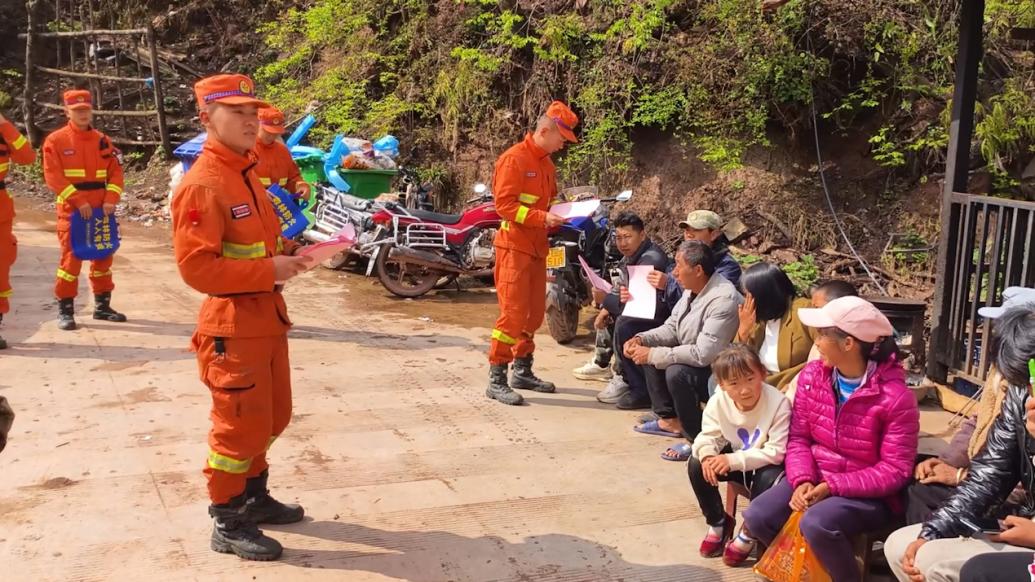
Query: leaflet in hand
x=342, y=240
x=595, y=280
x=643, y=303
x=579, y=209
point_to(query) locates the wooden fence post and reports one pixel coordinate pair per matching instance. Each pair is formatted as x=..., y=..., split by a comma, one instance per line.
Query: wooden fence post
x=156, y=76
x=31, y=130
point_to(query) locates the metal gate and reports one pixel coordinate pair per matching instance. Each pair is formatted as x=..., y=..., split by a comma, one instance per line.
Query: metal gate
x=991, y=243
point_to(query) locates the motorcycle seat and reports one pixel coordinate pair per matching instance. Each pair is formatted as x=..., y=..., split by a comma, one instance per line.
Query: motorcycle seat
x=437, y=216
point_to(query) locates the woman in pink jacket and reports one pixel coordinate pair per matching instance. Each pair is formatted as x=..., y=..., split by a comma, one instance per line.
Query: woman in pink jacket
x=852, y=444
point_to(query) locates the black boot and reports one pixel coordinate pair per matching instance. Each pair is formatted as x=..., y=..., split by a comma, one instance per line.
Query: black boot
x=3, y=342
x=522, y=377
x=66, y=314
x=235, y=533
x=102, y=309
x=262, y=508
x=498, y=387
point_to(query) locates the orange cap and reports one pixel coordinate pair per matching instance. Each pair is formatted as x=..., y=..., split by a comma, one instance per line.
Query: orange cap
x=565, y=119
x=228, y=89
x=271, y=120
x=78, y=99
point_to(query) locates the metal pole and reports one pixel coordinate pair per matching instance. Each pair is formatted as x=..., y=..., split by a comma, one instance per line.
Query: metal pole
x=957, y=170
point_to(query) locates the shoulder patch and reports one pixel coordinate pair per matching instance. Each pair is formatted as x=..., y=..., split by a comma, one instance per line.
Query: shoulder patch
x=240, y=211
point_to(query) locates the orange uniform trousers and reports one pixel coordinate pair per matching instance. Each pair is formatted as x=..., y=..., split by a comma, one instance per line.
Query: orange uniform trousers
x=250, y=382
x=8, y=255
x=521, y=292
x=66, y=284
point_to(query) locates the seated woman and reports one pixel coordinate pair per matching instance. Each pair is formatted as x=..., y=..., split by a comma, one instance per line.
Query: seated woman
x=743, y=439
x=938, y=477
x=769, y=323
x=852, y=445
x=937, y=549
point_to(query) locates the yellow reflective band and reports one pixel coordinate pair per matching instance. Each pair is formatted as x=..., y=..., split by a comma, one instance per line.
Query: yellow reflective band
x=521, y=215
x=504, y=225
x=265, y=181
x=18, y=143
x=502, y=337
x=280, y=245
x=240, y=251
x=66, y=276
x=80, y=173
x=99, y=274
x=68, y=191
x=6, y=294
x=114, y=188
x=5, y=166
x=282, y=181
x=528, y=198
x=102, y=173
x=270, y=444
x=228, y=464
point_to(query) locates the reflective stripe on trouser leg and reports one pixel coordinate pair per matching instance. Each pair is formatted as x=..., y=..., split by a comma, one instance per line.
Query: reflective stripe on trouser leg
x=513, y=289
x=241, y=385
x=535, y=300
x=101, y=280
x=8, y=255
x=281, y=388
x=66, y=285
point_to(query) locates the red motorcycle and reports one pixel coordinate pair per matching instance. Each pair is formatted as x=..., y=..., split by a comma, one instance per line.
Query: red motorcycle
x=428, y=249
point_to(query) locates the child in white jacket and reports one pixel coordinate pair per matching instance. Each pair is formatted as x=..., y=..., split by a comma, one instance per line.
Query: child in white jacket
x=743, y=439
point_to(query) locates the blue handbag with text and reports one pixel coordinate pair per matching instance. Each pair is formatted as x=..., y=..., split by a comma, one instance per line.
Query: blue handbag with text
x=292, y=220
x=94, y=238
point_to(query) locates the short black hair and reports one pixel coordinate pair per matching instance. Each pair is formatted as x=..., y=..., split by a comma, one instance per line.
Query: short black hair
x=836, y=289
x=771, y=288
x=629, y=220
x=1013, y=343
x=697, y=253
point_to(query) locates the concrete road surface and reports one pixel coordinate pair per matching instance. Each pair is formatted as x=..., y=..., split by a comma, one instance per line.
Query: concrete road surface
x=406, y=470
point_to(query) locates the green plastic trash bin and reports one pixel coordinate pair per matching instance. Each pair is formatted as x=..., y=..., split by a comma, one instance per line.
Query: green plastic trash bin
x=311, y=167
x=368, y=184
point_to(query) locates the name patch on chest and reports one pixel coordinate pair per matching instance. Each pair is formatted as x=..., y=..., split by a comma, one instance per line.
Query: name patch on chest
x=240, y=211
x=69, y=152
x=530, y=174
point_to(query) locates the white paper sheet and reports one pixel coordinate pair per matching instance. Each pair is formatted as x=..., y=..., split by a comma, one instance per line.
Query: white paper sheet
x=595, y=280
x=643, y=299
x=575, y=209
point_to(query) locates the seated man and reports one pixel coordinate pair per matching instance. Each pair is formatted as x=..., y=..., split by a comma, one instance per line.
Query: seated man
x=705, y=226
x=677, y=356
x=628, y=390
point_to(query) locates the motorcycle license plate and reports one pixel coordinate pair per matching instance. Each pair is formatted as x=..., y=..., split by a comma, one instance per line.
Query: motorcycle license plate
x=557, y=258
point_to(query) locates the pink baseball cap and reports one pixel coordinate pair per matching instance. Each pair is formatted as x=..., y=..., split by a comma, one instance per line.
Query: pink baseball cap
x=853, y=315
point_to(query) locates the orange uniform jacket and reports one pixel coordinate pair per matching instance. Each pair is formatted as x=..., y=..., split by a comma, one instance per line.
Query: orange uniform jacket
x=225, y=233
x=80, y=167
x=13, y=148
x=524, y=185
x=276, y=166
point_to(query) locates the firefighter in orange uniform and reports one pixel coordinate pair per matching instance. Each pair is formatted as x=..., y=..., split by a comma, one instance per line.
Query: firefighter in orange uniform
x=228, y=245
x=13, y=148
x=524, y=186
x=275, y=164
x=81, y=167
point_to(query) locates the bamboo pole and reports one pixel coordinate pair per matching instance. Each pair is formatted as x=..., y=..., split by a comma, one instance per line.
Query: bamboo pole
x=147, y=113
x=163, y=130
x=66, y=73
x=30, y=78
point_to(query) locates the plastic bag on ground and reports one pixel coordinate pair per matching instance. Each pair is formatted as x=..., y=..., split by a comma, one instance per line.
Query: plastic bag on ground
x=789, y=558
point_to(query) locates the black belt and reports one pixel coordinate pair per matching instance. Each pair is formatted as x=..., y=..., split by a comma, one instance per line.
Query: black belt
x=3, y=185
x=90, y=186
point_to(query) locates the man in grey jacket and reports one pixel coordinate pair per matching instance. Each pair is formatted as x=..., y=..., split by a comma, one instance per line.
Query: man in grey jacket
x=677, y=356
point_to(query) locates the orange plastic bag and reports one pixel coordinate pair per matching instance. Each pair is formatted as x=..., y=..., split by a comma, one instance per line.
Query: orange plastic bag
x=789, y=558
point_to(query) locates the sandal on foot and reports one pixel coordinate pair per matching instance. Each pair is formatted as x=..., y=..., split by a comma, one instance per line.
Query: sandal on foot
x=682, y=453
x=652, y=427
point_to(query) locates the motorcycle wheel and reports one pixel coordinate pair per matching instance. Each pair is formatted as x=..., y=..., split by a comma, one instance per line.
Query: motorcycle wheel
x=563, y=322
x=404, y=280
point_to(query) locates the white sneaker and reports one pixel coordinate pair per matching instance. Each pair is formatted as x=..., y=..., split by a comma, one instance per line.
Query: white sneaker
x=616, y=388
x=592, y=371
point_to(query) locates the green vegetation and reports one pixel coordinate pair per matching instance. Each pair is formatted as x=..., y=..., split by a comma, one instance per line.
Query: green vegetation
x=716, y=73
x=803, y=273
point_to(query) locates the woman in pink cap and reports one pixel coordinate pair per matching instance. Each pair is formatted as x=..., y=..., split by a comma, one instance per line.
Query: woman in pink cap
x=852, y=443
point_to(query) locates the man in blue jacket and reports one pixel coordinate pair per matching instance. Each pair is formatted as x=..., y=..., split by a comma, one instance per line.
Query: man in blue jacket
x=705, y=226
